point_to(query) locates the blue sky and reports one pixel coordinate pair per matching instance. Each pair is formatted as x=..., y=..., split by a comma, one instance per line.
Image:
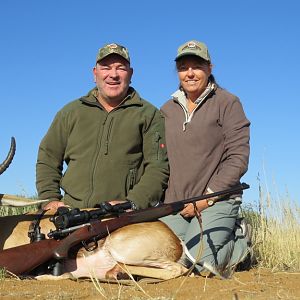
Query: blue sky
x=48, y=50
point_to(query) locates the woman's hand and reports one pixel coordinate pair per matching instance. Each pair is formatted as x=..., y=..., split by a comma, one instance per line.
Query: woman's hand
x=189, y=211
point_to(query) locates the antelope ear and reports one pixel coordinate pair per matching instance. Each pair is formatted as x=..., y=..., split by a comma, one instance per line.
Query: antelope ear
x=15, y=201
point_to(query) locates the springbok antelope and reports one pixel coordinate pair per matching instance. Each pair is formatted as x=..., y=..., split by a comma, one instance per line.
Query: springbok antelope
x=148, y=249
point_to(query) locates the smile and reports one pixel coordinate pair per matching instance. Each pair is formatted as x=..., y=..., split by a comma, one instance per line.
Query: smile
x=191, y=82
x=113, y=83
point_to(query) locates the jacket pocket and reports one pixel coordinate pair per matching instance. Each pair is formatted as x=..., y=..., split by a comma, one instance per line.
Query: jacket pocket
x=131, y=179
x=108, y=136
x=156, y=145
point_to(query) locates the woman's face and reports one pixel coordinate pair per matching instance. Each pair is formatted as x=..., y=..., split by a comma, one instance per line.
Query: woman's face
x=193, y=73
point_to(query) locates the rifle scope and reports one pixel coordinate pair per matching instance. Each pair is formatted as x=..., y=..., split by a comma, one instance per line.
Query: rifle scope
x=66, y=217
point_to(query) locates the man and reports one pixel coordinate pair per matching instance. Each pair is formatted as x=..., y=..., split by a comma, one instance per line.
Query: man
x=111, y=140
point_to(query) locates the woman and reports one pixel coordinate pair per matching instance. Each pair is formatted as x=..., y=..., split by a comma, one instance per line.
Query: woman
x=207, y=136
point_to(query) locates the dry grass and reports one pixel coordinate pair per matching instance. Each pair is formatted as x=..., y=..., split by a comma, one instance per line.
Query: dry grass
x=276, y=232
x=9, y=210
x=19, y=210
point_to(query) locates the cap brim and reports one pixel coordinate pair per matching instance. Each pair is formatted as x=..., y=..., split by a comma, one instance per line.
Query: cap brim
x=189, y=54
x=112, y=54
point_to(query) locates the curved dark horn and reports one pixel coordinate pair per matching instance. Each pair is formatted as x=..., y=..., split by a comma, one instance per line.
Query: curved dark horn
x=9, y=157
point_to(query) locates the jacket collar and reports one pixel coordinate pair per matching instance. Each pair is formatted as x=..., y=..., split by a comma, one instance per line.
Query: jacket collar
x=132, y=98
x=180, y=96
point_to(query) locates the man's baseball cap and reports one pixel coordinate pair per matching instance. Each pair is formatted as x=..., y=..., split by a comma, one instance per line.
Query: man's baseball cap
x=193, y=48
x=112, y=49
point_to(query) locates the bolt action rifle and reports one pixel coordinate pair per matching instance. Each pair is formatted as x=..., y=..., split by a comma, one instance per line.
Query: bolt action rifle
x=23, y=259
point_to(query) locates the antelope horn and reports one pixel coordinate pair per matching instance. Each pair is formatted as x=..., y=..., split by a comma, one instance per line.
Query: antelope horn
x=9, y=157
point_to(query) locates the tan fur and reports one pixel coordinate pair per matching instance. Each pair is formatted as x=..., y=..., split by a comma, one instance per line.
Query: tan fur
x=14, y=229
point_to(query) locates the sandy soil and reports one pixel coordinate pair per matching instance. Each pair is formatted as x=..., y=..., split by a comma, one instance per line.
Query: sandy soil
x=253, y=284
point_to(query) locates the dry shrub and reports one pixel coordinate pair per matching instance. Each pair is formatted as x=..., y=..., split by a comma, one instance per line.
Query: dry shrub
x=276, y=232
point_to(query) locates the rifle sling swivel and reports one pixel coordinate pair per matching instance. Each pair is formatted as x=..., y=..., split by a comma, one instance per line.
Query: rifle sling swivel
x=34, y=230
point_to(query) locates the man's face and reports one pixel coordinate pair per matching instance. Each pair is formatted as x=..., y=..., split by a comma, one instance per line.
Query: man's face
x=112, y=76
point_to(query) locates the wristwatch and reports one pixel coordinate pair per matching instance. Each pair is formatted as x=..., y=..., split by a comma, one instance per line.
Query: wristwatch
x=133, y=206
x=210, y=202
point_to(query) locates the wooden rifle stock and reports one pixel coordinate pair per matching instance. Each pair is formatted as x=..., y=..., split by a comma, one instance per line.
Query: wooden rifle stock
x=21, y=259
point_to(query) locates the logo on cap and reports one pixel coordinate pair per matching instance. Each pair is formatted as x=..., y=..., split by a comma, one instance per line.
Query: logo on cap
x=191, y=45
x=112, y=46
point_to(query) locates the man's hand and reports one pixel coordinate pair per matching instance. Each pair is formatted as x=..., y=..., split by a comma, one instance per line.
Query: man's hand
x=54, y=205
x=114, y=202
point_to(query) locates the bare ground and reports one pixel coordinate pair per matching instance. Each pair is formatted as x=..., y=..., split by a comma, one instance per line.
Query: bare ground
x=253, y=284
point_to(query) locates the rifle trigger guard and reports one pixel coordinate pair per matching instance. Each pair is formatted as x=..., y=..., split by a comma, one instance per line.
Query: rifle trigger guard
x=90, y=246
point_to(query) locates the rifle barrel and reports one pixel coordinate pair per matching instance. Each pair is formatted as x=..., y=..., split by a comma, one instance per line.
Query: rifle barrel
x=242, y=186
x=101, y=229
